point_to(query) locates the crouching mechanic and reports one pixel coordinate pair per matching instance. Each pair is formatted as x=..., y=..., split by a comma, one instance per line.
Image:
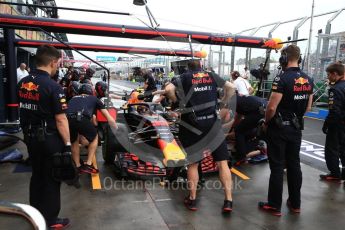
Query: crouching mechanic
x=200, y=129
x=249, y=111
x=80, y=113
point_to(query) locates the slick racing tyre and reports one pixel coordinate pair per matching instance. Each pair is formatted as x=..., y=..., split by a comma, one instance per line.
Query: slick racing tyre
x=108, y=150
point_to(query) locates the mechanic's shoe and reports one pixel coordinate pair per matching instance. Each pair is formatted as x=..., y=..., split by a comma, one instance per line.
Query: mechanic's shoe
x=330, y=177
x=190, y=204
x=227, y=207
x=270, y=209
x=89, y=169
x=79, y=169
x=59, y=223
x=291, y=208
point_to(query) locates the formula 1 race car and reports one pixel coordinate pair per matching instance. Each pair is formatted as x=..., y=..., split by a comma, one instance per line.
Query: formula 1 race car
x=143, y=144
x=146, y=143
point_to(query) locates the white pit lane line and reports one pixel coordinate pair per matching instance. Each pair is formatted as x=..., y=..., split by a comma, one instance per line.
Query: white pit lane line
x=313, y=150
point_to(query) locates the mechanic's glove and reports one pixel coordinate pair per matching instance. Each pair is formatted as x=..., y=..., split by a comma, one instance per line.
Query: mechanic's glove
x=261, y=129
x=67, y=149
x=63, y=167
x=325, y=127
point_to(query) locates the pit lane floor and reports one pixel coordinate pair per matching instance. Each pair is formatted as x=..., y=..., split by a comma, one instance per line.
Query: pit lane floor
x=135, y=205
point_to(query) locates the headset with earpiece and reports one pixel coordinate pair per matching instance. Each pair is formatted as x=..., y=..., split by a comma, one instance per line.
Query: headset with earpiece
x=284, y=58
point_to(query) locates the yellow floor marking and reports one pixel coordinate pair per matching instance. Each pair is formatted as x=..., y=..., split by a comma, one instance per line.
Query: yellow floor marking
x=96, y=181
x=238, y=173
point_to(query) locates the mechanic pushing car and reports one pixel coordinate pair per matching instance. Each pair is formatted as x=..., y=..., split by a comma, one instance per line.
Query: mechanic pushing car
x=64, y=82
x=45, y=127
x=101, y=89
x=88, y=75
x=200, y=128
x=72, y=90
x=80, y=113
x=149, y=84
x=290, y=98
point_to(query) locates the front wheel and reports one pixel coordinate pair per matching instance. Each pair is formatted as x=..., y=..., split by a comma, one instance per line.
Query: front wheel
x=107, y=151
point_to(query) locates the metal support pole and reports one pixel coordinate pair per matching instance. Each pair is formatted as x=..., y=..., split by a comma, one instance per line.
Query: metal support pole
x=220, y=57
x=128, y=70
x=247, y=57
x=295, y=30
x=210, y=58
x=232, y=59
x=268, y=53
x=2, y=93
x=268, y=58
x=318, y=72
x=11, y=76
x=325, y=42
x=310, y=36
x=249, y=50
x=337, y=53
x=223, y=66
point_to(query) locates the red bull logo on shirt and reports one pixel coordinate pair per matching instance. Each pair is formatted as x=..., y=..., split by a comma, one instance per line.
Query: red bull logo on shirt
x=200, y=75
x=201, y=78
x=301, y=81
x=29, y=91
x=29, y=86
x=302, y=85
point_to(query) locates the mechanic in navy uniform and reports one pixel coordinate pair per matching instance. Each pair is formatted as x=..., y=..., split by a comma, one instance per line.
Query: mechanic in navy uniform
x=101, y=89
x=88, y=75
x=104, y=77
x=45, y=128
x=334, y=125
x=200, y=129
x=291, y=97
x=64, y=82
x=80, y=113
x=149, y=85
x=249, y=111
